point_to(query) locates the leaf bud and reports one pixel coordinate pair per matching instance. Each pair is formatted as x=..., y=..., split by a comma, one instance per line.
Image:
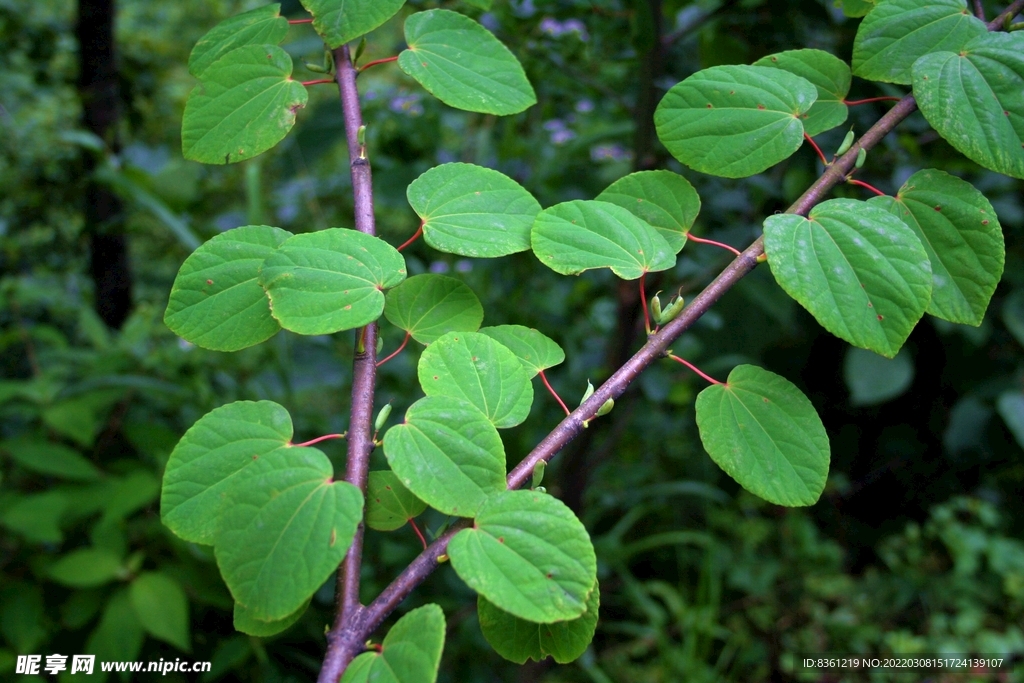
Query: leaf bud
x=847, y=144
x=538, y=474
x=588, y=393
x=605, y=408
x=315, y=68
x=656, y=308
x=673, y=310
x=382, y=417
x=861, y=156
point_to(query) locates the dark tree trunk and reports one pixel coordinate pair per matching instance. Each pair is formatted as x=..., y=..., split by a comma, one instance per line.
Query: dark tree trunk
x=104, y=216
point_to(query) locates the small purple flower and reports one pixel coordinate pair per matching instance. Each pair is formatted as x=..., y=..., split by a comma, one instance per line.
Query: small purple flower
x=609, y=153
x=407, y=104
x=463, y=265
x=554, y=125
x=439, y=267
x=560, y=137
x=585, y=106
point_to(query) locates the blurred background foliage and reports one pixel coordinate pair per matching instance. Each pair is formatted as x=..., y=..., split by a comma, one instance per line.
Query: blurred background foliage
x=916, y=545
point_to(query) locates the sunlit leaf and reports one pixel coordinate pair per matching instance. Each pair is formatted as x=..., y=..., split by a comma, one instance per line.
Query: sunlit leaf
x=829, y=74
x=428, y=306
x=341, y=21
x=261, y=26
x=534, y=350
x=664, y=199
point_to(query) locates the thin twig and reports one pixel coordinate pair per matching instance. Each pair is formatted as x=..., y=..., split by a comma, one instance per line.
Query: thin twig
x=979, y=10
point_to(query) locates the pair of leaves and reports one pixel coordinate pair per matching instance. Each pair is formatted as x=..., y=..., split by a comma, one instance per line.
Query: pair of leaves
x=278, y=523
x=868, y=271
x=242, y=286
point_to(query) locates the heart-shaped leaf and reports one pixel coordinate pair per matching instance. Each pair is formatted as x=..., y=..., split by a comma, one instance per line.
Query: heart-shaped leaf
x=448, y=454
x=517, y=640
x=528, y=555
x=734, y=121
x=764, y=433
x=208, y=459
x=462, y=64
x=286, y=525
x=216, y=300
x=974, y=98
x=428, y=306
x=664, y=199
x=244, y=105
x=261, y=26
x=859, y=270
x=534, y=350
x=331, y=280
x=49, y=458
x=898, y=32
x=579, y=235
x=410, y=653
x=829, y=74
x=389, y=504
x=162, y=608
x=342, y=21
x=961, y=233
x=476, y=368
x=244, y=622
x=473, y=211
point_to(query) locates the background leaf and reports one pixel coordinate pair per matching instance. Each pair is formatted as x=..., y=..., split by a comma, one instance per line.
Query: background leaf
x=410, y=653
x=663, y=199
x=462, y=64
x=517, y=640
x=473, y=211
x=47, y=457
x=1011, y=409
x=874, y=379
x=86, y=568
x=579, y=235
x=898, y=32
x=331, y=280
x=528, y=555
x=162, y=608
x=244, y=105
x=764, y=433
x=961, y=233
x=829, y=74
x=474, y=367
x=448, y=454
x=428, y=306
x=389, y=504
x=261, y=26
x=216, y=301
x=342, y=21
x=859, y=270
x=734, y=121
x=534, y=350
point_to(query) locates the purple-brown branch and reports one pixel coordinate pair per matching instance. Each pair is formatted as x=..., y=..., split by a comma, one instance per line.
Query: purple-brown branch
x=348, y=636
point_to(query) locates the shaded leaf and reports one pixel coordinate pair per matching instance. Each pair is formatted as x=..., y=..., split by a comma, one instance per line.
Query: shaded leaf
x=575, y=236
x=874, y=379
x=829, y=74
x=342, y=21
x=244, y=105
x=734, y=121
x=37, y=517
x=764, y=433
x=86, y=568
x=859, y=270
x=1011, y=409
x=216, y=301
x=428, y=306
x=410, y=653
x=663, y=199
x=534, y=350
x=389, y=504
x=162, y=608
x=331, y=280
x=462, y=64
x=448, y=454
x=473, y=211
x=261, y=26
x=118, y=636
x=244, y=622
x=960, y=231
x=49, y=458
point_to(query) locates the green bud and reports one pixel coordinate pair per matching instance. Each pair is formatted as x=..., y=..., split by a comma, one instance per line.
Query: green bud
x=359, y=51
x=382, y=417
x=315, y=68
x=380, y=344
x=540, y=489
x=588, y=393
x=538, y=474
x=605, y=408
x=861, y=156
x=673, y=310
x=847, y=144
x=361, y=136
x=656, y=308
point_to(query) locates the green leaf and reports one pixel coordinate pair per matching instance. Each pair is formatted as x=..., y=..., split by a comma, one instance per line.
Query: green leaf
x=285, y=528
x=764, y=433
x=261, y=26
x=410, y=653
x=473, y=211
x=462, y=64
x=245, y=623
x=162, y=608
x=856, y=8
x=663, y=199
x=209, y=459
x=216, y=300
x=859, y=270
x=448, y=454
x=829, y=74
x=481, y=4
x=86, y=568
x=331, y=280
x=37, y=517
x=22, y=615
x=961, y=233
x=528, y=555
x=874, y=379
x=342, y=21
x=898, y=32
x=974, y=98
x=1011, y=408
x=49, y=458
x=517, y=640
x=428, y=306
x=118, y=636
x=244, y=105
x=575, y=236
x=534, y=350
x=389, y=505
x=734, y=121
x=1013, y=315
x=474, y=367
